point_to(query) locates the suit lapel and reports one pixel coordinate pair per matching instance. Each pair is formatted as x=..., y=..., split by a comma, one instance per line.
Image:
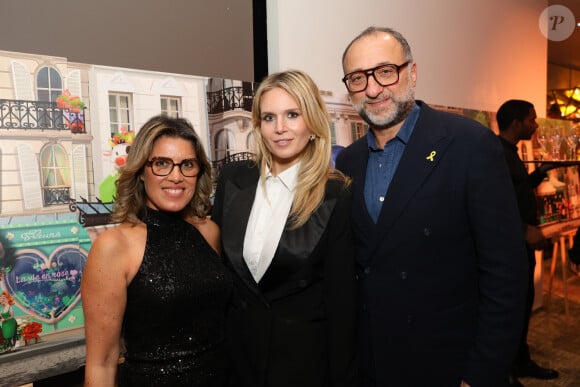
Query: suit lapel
x=295, y=248
x=238, y=201
x=358, y=171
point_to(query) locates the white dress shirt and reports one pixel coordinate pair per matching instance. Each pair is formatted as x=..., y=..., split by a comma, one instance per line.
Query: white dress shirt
x=269, y=214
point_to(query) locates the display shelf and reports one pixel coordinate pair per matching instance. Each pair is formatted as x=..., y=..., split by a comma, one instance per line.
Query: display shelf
x=554, y=229
x=563, y=163
x=48, y=358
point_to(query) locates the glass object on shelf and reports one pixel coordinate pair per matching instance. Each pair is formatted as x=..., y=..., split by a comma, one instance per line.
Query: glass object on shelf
x=571, y=138
x=555, y=140
x=576, y=129
x=542, y=137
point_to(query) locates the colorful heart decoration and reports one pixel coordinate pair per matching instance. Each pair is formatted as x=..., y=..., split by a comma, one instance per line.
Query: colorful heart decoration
x=47, y=288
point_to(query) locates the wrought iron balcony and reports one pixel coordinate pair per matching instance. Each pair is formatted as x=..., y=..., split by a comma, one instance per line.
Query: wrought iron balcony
x=56, y=195
x=19, y=114
x=92, y=213
x=218, y=164
x=230, y=98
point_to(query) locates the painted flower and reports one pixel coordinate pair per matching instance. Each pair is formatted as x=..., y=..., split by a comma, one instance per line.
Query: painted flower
x=31, y=330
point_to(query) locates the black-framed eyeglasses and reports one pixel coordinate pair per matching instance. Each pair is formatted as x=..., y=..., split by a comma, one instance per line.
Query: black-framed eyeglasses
x=163, y=166
x=384, y=75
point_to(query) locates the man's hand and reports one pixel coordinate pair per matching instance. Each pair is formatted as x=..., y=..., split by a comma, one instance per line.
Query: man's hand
x=545, y=167
x=534, y=237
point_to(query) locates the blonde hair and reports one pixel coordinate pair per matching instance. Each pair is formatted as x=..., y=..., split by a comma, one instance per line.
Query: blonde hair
x=131, y=199
x=315, y=167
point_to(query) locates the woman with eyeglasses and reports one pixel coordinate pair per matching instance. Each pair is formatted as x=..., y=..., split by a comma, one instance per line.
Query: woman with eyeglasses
x=156, y=280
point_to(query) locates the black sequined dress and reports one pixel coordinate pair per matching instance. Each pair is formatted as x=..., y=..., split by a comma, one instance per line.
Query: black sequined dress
x=174, y=319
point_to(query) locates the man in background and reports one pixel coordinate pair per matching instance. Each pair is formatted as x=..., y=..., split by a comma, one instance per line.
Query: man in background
x=516, y=120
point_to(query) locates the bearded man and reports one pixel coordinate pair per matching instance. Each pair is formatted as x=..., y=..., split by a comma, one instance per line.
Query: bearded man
x=441, y=258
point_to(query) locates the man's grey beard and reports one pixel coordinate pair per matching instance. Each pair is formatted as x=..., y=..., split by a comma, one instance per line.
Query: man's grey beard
x=401, y=110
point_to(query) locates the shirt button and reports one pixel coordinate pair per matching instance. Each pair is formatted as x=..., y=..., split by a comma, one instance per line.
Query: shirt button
x=403, y=275
x=302, y=283
x=367, y=270
x=381, y=198
x=426, y=231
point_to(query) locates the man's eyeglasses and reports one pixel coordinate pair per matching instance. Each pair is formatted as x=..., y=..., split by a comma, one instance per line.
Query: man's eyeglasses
x=384, y=75
x=163, y=166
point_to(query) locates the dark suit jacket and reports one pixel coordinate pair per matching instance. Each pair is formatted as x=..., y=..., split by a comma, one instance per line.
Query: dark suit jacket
x=443, y=272
x=296, y=327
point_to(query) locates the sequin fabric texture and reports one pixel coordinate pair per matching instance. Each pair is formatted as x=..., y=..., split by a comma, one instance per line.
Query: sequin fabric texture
x=174, y=319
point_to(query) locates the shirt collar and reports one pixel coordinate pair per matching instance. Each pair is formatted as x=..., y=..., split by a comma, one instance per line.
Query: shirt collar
x=509, y=144
x=289, y=177
x=404, y=133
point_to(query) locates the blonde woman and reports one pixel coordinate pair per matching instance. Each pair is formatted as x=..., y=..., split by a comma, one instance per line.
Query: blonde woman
x=284, y=219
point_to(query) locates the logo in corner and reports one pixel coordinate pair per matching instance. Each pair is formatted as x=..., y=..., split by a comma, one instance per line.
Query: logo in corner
x=557, y=23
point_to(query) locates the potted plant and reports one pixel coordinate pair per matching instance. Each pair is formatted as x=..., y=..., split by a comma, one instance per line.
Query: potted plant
x=30, y=331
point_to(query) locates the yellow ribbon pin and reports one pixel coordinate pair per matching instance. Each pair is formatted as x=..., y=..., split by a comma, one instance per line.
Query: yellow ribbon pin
x=431, y=156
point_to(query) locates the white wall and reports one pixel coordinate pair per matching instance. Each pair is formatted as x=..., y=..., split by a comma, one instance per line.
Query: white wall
x=471, y=54
x=145, y=88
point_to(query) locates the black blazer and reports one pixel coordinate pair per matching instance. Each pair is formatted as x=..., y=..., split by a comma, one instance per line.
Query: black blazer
x=443, y=272
x=296, y=327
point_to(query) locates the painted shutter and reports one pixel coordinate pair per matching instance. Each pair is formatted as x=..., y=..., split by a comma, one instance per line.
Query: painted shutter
x=79, y=168
x=30, y=177
x=73, y=83
x=22, y=82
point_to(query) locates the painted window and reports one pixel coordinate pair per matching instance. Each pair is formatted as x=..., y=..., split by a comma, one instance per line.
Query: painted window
x=251, y=144
x=224, y=143
x=171, y=106
x=55, y=174
x=358, y=129
x=48, y=88
x=48, y=84
x=332, y=133
x=120, y=112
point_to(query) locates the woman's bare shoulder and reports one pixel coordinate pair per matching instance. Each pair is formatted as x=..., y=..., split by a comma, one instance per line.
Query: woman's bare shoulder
x=123, y=240
x=121, y=235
